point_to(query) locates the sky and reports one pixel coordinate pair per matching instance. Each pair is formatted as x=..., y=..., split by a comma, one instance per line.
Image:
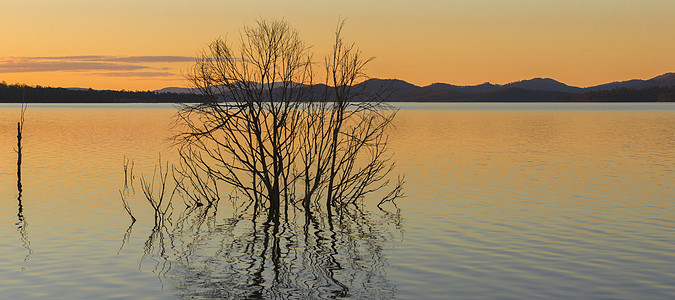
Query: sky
x=148, y=44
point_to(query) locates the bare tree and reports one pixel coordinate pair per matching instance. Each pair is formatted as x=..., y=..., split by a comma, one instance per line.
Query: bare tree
x=157, y=197
x=267, y=130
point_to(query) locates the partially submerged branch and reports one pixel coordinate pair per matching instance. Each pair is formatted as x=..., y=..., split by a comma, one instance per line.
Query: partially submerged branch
x=157, y=198
x=128, y=189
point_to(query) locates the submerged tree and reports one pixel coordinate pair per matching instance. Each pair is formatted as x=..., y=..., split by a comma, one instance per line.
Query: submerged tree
x=269, y=131
x=299, y=153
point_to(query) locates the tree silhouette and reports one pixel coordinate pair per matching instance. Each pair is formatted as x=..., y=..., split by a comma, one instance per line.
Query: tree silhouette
x=297, y=157
x=268, y=131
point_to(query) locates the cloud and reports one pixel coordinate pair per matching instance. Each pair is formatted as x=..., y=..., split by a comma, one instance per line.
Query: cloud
x=52, y=66
x=127, y=59
x=154, y=59
x=135, y=74
x=95, y=65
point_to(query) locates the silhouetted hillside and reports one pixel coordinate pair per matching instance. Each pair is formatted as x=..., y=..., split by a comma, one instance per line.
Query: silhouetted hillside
x=665, y=80
x=544, y=84
x=177, y=90
x=659, y=88
x=533, y=90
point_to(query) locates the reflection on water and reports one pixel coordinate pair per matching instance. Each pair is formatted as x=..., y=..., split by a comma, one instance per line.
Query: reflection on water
x=238, y=257
x=250, y=254
x=539, y=204
x=534, y=202
x=22, y=224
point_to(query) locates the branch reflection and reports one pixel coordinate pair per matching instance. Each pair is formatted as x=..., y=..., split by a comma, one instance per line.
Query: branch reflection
x=245, y=253
x=22, y=224
x=240, y=257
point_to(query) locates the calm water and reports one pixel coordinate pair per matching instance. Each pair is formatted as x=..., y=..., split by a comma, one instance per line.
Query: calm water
x=504, y=201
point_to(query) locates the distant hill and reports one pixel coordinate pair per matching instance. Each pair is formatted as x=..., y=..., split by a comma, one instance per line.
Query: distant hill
x=532, y=90
x=544, y=84
x=178, y=90
x=665, y=80
x=659, y=88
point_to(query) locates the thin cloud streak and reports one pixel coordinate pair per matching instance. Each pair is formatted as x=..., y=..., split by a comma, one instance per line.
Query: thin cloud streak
x=153, y=59
x=108, y=58
x=94, y=65
x=148, y=74
x=55, y=66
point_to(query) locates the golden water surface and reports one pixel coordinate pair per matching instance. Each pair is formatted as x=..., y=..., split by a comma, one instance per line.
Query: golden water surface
x=503, y=201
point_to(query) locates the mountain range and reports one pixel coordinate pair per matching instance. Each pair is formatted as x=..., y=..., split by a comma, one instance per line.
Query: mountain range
x=657, y=89
x=536, y=89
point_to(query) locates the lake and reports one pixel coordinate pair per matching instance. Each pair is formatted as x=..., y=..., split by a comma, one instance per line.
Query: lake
x=503, y=201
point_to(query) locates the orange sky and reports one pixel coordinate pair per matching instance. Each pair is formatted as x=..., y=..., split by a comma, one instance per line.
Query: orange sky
x=144, y=45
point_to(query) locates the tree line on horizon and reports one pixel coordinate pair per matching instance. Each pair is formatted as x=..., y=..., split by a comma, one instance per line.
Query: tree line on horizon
x=623, y=94
x=17, y=93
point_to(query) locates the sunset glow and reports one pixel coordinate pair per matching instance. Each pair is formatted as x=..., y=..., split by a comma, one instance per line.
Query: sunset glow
x=147, y=45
